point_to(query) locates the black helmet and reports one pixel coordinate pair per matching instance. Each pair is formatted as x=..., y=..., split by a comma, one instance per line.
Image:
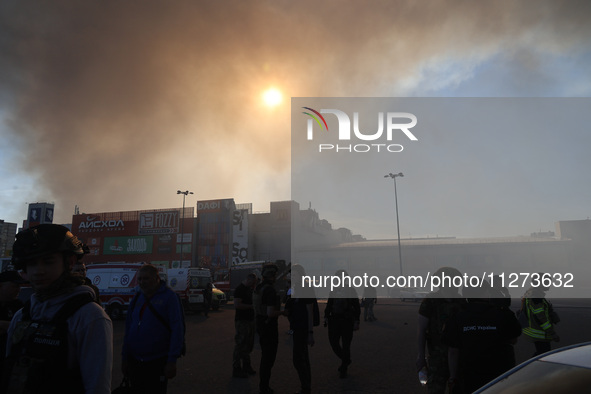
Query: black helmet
x=42, y=240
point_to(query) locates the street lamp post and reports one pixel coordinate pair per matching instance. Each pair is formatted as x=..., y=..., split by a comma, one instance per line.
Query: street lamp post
x=394, y=176
x=185, y=193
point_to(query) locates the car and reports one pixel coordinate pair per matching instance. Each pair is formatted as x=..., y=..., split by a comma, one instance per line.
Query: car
x=218, y=298
x=412, y=294
x=564, y=370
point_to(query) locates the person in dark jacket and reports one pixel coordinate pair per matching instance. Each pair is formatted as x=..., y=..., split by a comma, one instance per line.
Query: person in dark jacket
x=10, y=285
x=300, y=312
x=38, y=361
x=244, y=325
x=480, y=340
x=435, y=311
x=267, y=309
x=370, y=298
x=80, y=269
x=342, y=318
x=207, y=296
x=154, y=333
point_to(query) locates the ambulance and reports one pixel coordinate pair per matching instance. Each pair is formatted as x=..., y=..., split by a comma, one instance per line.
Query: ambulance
x=190, y=284
x=117, y=284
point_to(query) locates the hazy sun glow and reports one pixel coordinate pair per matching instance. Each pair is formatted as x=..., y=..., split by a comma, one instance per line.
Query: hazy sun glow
x=272, y=97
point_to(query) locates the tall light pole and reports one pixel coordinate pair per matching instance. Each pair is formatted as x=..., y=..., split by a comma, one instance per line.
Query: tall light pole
x=394, y=176
x=185, y=193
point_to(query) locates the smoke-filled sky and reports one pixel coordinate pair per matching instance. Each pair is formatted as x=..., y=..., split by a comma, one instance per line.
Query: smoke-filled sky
x=116, y=105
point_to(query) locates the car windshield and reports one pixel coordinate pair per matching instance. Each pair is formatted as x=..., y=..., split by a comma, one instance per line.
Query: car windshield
x=199, y=282
x=544, y=377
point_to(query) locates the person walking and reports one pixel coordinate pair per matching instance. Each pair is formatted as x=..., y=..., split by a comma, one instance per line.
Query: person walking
x=341, y=316
x=154, y=332
x=244, y=324
x=300, y=312
x=207, y=296
x=267, y=311
x=60, y=341
x=370, y=298
x=434, y=312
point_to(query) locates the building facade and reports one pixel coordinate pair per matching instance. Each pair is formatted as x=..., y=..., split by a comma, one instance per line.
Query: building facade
x=160, y=237
x=39, y=213
x=7, y=234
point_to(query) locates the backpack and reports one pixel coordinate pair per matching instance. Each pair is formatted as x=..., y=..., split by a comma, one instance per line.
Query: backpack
x=162, y=319
x=39, y=352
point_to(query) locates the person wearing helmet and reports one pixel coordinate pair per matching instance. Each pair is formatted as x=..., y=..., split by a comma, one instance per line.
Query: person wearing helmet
x=541, y=318
x=60, y=341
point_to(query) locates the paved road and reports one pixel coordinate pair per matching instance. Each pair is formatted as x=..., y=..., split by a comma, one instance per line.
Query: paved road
x=383, y=353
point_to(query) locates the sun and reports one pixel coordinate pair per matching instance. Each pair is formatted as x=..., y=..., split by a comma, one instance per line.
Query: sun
x=272, y=97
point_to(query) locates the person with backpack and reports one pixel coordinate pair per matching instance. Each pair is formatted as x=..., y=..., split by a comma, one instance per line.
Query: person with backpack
x=154, y=334
x=61, y=340
x=342, y=318
x=300, y=308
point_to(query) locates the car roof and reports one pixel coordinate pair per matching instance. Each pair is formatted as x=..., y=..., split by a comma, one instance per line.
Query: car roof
x=579, y=356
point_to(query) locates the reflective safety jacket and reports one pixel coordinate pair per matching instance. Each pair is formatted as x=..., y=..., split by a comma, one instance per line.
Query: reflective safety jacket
x=540, y=327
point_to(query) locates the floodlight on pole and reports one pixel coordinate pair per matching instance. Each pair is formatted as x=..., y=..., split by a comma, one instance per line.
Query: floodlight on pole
x=394, y=176
x=185, y=193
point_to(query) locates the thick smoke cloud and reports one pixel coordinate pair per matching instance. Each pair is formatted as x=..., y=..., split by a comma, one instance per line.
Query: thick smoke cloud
x=116, y=105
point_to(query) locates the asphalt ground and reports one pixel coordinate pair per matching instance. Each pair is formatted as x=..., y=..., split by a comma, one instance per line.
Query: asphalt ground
x=383, y=352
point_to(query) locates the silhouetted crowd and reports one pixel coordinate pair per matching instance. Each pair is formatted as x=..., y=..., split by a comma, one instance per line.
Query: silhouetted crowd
x=61, y=339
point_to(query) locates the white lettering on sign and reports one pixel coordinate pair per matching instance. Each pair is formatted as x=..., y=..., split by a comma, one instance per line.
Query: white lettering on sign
x=137, y=245
x=208, y=205
x=166, y=219
x=108, y=224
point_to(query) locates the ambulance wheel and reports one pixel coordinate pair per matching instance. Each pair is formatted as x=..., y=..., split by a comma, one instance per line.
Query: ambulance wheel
x=115, y=312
